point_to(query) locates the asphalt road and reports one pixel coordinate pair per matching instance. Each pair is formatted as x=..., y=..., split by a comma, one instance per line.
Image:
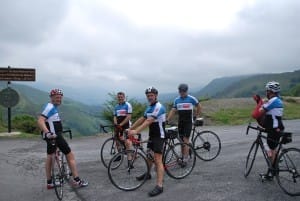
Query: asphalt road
x=22, y=172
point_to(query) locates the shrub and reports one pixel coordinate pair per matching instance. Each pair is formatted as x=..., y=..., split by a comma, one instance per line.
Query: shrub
x=25, y=123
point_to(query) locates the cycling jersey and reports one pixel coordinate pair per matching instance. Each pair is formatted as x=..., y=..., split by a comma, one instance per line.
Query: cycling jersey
x=121, y=111
x=158, y=112
x=184, y=106
x=53, y=121
x=274, y=112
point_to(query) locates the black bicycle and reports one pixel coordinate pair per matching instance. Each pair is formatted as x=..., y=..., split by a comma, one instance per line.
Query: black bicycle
x=286, y=166
x=126, y=166
x=60, y=172
x=112, y=145
x=206, y=143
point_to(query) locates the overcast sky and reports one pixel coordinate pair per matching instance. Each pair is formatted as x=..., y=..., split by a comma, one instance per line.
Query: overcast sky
x=101, y=46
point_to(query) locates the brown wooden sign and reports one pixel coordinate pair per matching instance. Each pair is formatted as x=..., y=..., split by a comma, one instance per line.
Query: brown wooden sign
x=17, y=74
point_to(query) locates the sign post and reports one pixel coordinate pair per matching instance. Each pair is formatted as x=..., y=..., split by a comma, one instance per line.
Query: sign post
x=8, y=96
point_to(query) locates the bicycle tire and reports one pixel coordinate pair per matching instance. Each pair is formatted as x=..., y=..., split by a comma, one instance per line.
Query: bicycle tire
x=122, y=176
x=251, y=158
x=108, y=151
x=174, y=164
x=57, y=178
x=207, y=145
x=288, y=171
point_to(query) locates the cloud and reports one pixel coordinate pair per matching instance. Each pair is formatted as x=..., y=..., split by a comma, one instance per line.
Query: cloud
x=107, y=46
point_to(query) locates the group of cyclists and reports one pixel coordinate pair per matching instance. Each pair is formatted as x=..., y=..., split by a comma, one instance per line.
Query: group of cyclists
x=155, y=118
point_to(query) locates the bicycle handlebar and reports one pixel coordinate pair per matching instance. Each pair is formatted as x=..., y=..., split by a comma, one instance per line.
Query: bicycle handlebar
x=68, y=131
x=260, y=129
x=102, y=127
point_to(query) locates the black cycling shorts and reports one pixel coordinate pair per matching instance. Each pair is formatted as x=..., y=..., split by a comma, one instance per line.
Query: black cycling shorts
x=156, y=144
x=185, y=128
x=273, y=138
x=61, y=144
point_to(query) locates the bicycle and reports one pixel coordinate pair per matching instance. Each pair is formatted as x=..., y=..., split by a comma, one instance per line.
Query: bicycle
x=111, y=146
x=60, y=171
x=286, y=166
x=124, y=173
x=206, y=143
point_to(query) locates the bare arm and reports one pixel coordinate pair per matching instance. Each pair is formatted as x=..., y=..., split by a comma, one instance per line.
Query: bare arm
x=41, y=124
x=171, y=114
x=126, y=120
x=198, y=110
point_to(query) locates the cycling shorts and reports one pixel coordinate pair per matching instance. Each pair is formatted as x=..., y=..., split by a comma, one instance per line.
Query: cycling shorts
x=61, y=144
x=185, y=128
x=273, y=138
x=156, y=144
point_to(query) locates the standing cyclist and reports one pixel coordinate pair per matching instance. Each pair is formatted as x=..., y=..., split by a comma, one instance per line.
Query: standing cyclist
x=122, y=117
x=273, y=111
x=154, y=118
x=184, y=104
x=50, y=123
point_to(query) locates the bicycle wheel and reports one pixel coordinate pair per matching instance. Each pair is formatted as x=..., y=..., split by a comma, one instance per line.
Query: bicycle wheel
x=124, y=175
x=250, y=158
x=207, y=145
x=288, y=171
x=176, y=166
x=65, y=168
x=108, y=150
x=57, y=178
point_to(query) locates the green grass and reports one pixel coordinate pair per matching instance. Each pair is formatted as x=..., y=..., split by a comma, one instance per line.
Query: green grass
x=231, y=116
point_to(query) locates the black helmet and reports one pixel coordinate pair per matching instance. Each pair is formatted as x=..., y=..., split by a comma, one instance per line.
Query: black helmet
x=183, y=87
x=151, y=90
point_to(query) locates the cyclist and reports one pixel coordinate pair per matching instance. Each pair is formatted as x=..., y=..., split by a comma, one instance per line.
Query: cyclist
x=272, y=110
x=154, y=118
x=51, y=126
x=122, y=117
x=185, y=104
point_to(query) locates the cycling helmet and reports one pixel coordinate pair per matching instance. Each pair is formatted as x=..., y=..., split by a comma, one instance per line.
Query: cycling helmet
x=151, y=90
x=273, y=86
x=56, y=92
x=183, y=87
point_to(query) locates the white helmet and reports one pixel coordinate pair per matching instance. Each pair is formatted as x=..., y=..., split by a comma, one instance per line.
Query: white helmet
x=273, y=86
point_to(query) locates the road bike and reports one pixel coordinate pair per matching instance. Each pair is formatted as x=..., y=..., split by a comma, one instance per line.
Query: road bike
x=60, y=171
x=286, y=166
x=110, y=146
x=128, y=165
x=206, y=143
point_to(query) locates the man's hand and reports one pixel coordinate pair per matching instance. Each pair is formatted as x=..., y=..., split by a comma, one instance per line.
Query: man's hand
x=50, y=135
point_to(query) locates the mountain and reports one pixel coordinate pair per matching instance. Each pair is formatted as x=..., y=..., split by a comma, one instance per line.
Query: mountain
x=247, y=85
x=81, y=118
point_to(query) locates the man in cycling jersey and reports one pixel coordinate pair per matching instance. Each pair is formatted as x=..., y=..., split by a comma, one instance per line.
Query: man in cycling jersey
x=272, y=110
x=154, y=118
x=122, y=117
x=50, y=124
x=184, y=104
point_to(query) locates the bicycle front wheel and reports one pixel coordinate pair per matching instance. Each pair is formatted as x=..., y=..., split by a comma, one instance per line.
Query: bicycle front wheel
x=57, y=178
x=108, y=151
x=288, y=171
x=124, y=175
x=207, y=145
x=250, y=158
x=176, y=165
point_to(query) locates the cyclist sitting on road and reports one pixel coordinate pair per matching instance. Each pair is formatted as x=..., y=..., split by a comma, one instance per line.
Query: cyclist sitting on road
x=122, y=117
x=50, y=124
x=184, y=104
x=272, y=111
x=154, y=118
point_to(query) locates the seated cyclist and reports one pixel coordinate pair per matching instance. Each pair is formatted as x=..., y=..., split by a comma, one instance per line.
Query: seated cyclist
x=50, y=124
x=272, y=110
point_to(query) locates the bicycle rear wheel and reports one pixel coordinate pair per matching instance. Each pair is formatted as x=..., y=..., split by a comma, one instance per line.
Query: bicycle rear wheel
x=108, y=151
x=207, y=145
x=57, y=178
x=250, y=158
x=124, y=174
x=288, y=171
x=176, y=166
